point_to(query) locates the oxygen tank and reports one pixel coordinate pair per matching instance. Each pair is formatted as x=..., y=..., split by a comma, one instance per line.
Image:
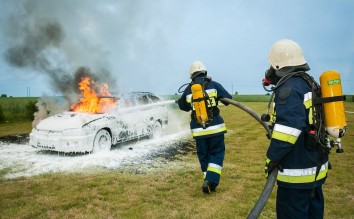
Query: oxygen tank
x=335, y=120
x=199, y=104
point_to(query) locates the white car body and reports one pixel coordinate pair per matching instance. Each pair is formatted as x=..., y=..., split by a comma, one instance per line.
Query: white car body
x=83, y=132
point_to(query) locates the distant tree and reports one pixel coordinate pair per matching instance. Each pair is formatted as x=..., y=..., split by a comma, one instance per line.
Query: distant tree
x=2, y=116
x=267, y=94
x=236, y=93
x=31, y=108
x=3, y=95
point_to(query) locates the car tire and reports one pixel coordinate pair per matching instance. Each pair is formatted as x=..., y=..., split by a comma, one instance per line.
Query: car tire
x=102, y=141
x=156, y=130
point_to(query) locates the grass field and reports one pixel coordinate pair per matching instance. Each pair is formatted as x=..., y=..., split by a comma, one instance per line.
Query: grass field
x=174, y=191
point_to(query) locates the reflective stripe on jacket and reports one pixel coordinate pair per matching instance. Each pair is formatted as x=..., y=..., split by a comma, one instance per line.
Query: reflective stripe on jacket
x=196, y=132
x=212, y=93
x=306, y=175
x=285, y=133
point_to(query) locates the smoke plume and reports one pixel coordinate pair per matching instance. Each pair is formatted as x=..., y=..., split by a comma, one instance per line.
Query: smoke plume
x=36, y=50
x=40, y=49
x=38, y=41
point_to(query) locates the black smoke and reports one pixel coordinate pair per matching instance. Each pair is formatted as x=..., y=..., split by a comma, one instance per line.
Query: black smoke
x=40, y=44
x=28, y=52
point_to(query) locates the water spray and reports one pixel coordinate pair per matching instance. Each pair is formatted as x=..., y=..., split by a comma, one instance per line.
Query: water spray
x=140, y=107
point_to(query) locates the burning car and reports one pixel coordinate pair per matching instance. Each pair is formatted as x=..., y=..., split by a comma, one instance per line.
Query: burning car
x=139, y=114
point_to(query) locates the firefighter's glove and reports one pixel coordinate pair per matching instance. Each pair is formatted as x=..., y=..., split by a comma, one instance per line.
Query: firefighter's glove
x=270, y=165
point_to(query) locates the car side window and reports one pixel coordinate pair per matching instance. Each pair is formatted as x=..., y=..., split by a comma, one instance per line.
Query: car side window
x=143, y=99
x=155, y=99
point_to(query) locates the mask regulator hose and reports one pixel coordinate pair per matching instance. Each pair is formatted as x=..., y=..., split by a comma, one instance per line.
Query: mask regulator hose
x=272, y=176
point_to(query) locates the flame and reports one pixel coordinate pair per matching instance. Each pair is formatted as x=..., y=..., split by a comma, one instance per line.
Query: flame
x=91, y=100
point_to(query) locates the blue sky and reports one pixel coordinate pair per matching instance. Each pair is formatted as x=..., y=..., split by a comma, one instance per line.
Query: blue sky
x=149, y=45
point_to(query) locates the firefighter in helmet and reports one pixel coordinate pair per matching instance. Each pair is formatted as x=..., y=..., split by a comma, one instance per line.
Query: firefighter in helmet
x=208, y=134
x=302, y=165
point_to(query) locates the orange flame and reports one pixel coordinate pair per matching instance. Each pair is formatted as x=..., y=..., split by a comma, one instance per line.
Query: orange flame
x=91, y=101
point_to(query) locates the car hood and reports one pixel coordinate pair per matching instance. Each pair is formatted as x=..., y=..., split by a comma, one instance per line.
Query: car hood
x=66, y=120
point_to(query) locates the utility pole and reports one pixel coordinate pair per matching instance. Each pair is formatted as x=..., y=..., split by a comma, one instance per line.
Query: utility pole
x=28, y=89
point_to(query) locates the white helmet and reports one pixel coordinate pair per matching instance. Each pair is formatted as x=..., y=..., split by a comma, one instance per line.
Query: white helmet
x=197, y=66
x=285, y=53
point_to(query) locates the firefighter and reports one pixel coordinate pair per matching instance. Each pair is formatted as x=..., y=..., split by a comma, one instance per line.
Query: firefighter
x=302, y=165
x=209, y=136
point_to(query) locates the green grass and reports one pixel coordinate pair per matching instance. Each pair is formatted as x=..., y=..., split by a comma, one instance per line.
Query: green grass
x=349, y=98
x=251, y=98
x=174, y=191
x=15, y=128
x=17, y=108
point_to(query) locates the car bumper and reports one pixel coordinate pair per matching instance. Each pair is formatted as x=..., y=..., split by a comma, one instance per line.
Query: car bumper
x=66, y=144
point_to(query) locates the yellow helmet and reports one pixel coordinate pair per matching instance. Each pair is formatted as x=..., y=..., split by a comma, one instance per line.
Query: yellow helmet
x=286, y=53
x=196, y=68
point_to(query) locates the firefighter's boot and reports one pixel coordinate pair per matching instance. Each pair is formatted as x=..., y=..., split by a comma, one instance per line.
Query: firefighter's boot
x=206, y=187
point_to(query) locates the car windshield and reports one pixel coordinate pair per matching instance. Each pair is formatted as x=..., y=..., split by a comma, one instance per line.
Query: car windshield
x=137, y=98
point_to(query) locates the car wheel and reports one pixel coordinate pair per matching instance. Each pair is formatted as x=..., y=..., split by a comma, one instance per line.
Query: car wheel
x=156, y=131
x=102, y=141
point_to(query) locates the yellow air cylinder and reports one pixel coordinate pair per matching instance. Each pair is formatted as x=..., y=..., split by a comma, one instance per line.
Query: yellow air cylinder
x=335, y=120
x=199, y=104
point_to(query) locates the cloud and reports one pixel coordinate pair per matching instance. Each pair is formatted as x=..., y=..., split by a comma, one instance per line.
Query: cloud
x=150, y=45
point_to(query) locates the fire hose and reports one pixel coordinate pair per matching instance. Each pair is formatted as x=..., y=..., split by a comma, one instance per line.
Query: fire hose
x=249, y=111
x=268, y=187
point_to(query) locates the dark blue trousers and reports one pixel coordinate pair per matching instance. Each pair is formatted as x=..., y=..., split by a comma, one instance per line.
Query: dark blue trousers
x=211, y=153
x=299, y=203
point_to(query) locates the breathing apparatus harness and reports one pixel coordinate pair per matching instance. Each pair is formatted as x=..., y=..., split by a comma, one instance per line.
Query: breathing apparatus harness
x=317, y=136
x=203, y=110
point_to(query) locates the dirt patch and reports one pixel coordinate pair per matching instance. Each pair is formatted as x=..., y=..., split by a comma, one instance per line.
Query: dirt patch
x=15, y=139
x=161, y=158
x=181, y=148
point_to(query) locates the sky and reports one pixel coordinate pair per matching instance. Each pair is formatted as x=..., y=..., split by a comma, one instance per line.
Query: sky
x=141, y=45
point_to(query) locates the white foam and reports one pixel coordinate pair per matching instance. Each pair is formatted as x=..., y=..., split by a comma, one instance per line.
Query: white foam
x=23, y=160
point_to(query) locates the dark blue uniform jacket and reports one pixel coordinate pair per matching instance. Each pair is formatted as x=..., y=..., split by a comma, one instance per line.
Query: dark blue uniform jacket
x=292, y=118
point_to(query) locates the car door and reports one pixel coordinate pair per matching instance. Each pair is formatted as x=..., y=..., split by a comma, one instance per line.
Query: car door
x=145, y=116
x=133, y=117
